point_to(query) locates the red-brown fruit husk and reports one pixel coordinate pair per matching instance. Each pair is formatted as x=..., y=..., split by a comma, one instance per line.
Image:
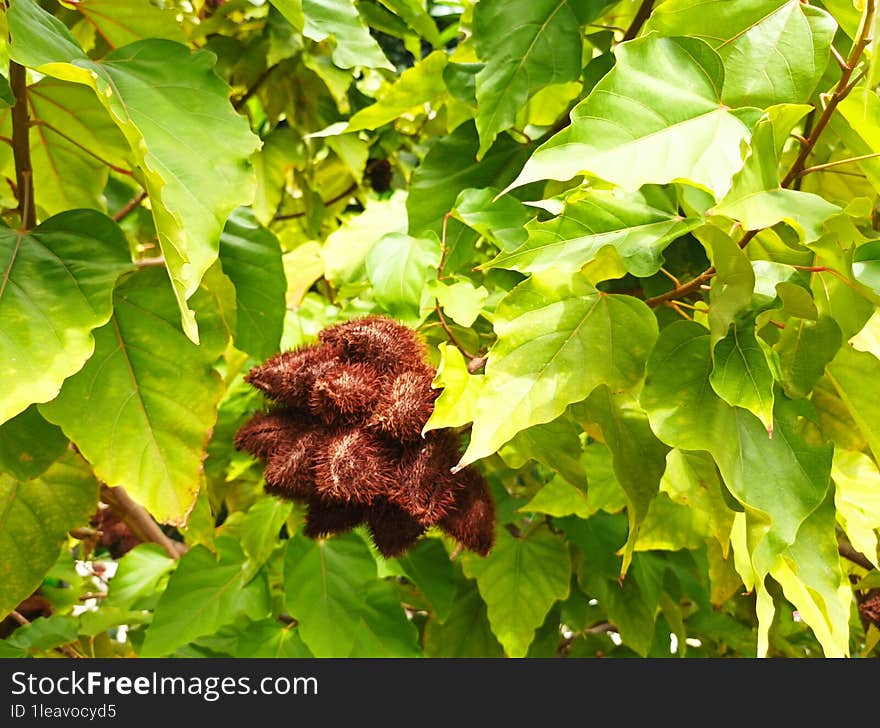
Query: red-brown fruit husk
x=115, y=536
x=345, y=394
x=33, y=607
x=325, y=517
x=870, y=609
x=352, y=466
x=472, y=519
x=405, y=405
x=266, y=432
x=392, y=529
x=385, y=344
x=425, y=487
x=290, y=470
x=288, y=377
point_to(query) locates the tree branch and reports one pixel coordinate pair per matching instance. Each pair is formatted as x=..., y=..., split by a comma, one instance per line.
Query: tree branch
x=21, y=150
x=341, y=196
x=849, y=553
x=261, y=79
x=642, y=14
x=138, y=519
x=130, y=206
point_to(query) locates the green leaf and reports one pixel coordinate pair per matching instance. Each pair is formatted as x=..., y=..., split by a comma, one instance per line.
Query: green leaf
x=741, y=375
x=527, y=44
x=805, y=348
x=461, y=300
x=324, y=584
x=422, y=84
x=196, y=176
x=206, y=592
x=500, y=219
x=264, y=638
x=779, y=480
x=638, y=457
x=555, y=444
x=656, y=117
x=549, y=327
x=56, y=288
x=121, y=22
x=417, y=17
x=559, y=498
x=251, y=256
x=261, y=528
x=458, y=402
x=35, y=516
x=46, y=632
x=72, y=138
x=428, y=565
x=466, y=631
x=788, y=41
x=339, y=19
x=857, y=123
x=139, y=576
x=399, y=267
x=520, y=580
x=856, y=376
x=857, y=497
x=384, y=629
x=29, y=445
x=638, y=226
x=866, y=265
x=142, y=408
x=732, y=285
x=453, y=157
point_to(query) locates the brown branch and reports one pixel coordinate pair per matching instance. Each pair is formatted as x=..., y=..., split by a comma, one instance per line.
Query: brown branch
x=246, y=96
x=341, y=196
x=683, y=290
x=642, y=15
x=130, y=206
x=138, y=519
x=849, y=553
x=21, y=150
x=156, y=262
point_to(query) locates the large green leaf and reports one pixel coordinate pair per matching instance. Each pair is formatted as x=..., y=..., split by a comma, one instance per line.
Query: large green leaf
x=120, y=22
x=384, y=629
x=774, y=51
x=428, y=565
x=56, y=287
x=35, y=516
x=638, y=226
x=139, y=577
x=399, y=266
x=527, y=44
x=500, y=219
x=324, y=584
x=656, y=117
x=857, y=497
x=856, y=377
x=339, y=19
x=190, y=147
x=780, y=480
x=805, y=347
x=206, y=592
x=558, y=339
x=72, y=137
x=465, y=632
x=554, y=444
x=29, y=445
x=520, y=580
x=251, y=257
x=265, y=638
x=142, y=408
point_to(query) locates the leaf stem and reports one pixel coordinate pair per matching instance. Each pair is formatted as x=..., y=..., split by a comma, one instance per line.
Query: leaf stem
x=130, y=206
x=86, y=150
x=21, y=150
x=342, y=195
x=838, y=162
x=641, y=16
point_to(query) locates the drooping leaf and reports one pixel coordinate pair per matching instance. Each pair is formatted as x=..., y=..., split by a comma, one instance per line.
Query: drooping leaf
x=787, y=40
x=429, y=567
x=520, y=580
x=558, y=339
x=251, y=257
x=527, y=44
x=384, y=630
x=56, y=288
x=638, y=226
x=857, y=498
x=29, y=445
x=35, y=516
x=656, y=117
x=554, y=444
x=196, y=175
x=500, y=219
x=339, y=19
x=142, y=408
x=324, y=585
x=458, y=402
x=261, y=526
x=466, y=631
x=733, y=283
x=205, y=593
x=856, y=376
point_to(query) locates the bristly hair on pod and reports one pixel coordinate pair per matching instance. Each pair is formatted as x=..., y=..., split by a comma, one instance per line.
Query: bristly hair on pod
x=351, y=466
x=344, y=434
x=345, y=394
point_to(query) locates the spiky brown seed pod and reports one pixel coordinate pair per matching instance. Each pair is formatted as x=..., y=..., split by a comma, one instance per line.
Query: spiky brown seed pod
x=346, y=393
x=115, y=536
x=870, y=609
x=344, y=436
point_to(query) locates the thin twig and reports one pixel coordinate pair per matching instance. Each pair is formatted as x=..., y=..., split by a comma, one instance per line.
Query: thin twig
x=838, y=162
x=138, y=519
x=84, y=149
x=849, y=553
x=246, y=96
x=642, y=15
x=342, y=195
x=21, y=151
x=130, y=206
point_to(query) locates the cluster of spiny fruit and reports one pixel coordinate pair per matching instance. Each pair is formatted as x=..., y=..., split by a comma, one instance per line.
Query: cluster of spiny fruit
x=344, y=435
